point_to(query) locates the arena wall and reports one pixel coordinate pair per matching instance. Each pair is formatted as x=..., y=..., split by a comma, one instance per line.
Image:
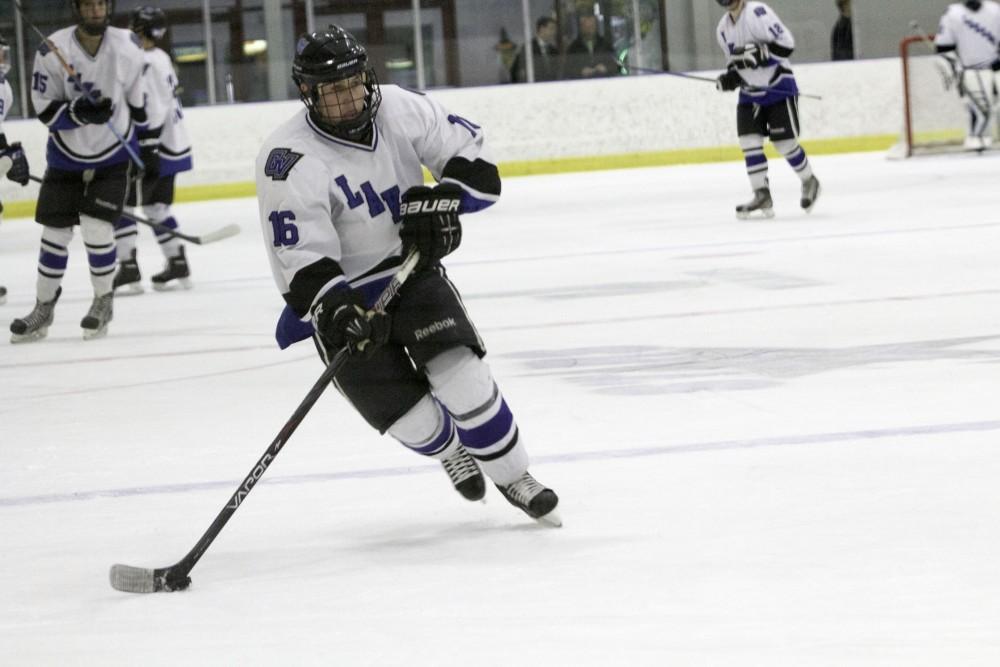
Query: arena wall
x=560, y=126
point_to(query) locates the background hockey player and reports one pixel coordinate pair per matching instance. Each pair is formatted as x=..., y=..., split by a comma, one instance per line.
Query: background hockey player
x=331, y=182
x=87, y=164
x=757, y=46
x=13, y=161
x=968, y=35
x=174, y=156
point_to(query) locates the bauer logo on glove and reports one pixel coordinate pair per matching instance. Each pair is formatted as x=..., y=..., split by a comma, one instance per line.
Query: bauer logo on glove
x=431, y=206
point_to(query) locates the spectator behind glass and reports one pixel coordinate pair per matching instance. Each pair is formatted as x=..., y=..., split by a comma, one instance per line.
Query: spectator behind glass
x=842, y=38
x=545, y=51
x=589, y=55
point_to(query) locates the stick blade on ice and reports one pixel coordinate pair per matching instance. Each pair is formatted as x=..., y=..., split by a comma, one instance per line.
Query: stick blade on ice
x=130, y=579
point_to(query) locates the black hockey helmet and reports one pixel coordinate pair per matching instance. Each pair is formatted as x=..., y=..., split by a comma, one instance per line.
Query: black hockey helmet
x=148, y=22
x=974, y=5
x=325, y=57
x=90, y=27
x=727, y=3
x=4, y=57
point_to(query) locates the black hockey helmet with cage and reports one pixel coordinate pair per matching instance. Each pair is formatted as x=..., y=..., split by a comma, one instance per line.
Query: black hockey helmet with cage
x=4, y=57
x=974, y=5
x=330, y=55
x=149, y=22
x=93, y=29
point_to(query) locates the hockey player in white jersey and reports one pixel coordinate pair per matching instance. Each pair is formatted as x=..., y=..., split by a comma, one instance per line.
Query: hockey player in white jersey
x=13, y=161
x=331, y=182
x=174, y=153
x=969, y=37
x=757, y=46
x=93, y=106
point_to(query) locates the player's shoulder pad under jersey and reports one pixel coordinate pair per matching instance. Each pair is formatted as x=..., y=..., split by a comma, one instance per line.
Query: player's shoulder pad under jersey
x=280, y=162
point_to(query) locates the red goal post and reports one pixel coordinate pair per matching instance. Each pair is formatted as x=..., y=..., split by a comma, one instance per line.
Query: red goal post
x=934, y=118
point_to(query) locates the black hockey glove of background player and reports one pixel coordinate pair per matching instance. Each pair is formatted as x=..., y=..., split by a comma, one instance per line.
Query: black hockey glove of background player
x=85, y=112
x=342, y=321
x=728, y=80
x=430, y=222
x=752, y=56
x=149, y=153
x=18, y=170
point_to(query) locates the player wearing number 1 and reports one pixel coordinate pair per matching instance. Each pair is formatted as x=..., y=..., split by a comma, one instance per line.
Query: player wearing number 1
x=341, y=198
x=757, y=46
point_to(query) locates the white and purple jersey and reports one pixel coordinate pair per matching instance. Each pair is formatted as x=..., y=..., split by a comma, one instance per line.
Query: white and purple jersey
x=758, y=24
x=330, y=208
x=114, y=72
x=6, y=99
x=161, y=84
x=974, y=34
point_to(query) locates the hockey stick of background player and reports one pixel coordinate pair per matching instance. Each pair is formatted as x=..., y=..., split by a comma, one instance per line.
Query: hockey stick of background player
x=752, y=89
x=131, y=579
x=89, y=94
x=211, y=237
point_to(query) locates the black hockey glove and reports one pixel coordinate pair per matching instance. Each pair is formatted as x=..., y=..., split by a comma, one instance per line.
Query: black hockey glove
x=752, y=56
x=85, y=112
x=430, y=222
x=342, y=321
x=18, y=170
x=728, y=80
x=149, y=153
x=995, y=65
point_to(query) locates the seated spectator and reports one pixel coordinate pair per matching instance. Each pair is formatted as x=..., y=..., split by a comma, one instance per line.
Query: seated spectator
x=546, y=54
x=590, y=55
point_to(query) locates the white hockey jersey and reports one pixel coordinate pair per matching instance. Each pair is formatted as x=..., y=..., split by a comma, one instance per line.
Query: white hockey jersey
x=974, y=34
x=164, y=109
x=114, y=72
x=758, y=24
x=6, y=99
x=329, y=208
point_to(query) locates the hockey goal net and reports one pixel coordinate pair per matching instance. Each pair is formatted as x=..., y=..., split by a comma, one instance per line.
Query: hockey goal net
x=934, y=117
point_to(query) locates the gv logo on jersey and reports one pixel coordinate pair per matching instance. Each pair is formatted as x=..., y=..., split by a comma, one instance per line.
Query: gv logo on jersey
x=432, y=206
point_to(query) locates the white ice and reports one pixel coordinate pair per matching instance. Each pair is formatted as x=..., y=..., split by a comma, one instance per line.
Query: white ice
x=775, y=442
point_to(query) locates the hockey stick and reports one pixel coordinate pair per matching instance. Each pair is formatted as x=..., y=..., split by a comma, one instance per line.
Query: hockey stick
x=211, y=237
x=751, y=89
x=131, y=579
x=89, y=94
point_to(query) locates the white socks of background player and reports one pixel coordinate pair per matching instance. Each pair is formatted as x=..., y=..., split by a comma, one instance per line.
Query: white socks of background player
x=99, y=240
x=756, y=162
x=126, y=232
x=796, y=157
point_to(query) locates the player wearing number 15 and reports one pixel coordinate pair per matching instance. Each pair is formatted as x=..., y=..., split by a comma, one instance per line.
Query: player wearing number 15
x=88, y=89
x=341, y=197
x=757, y=46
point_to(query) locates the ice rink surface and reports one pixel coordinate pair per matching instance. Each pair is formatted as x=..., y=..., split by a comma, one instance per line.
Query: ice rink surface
x=775, y=442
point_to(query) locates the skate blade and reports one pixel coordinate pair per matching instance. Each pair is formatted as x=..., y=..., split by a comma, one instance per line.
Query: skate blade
x=131, y=289
x=179, y=283
x=765, y=213
x=552, y=519
x=30, y=337
x=91, y=334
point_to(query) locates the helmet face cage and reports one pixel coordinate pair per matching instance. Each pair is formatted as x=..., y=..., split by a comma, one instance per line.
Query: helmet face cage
x=149, y=22
x=93, y=29
x=336, y=83
x=4, y=57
